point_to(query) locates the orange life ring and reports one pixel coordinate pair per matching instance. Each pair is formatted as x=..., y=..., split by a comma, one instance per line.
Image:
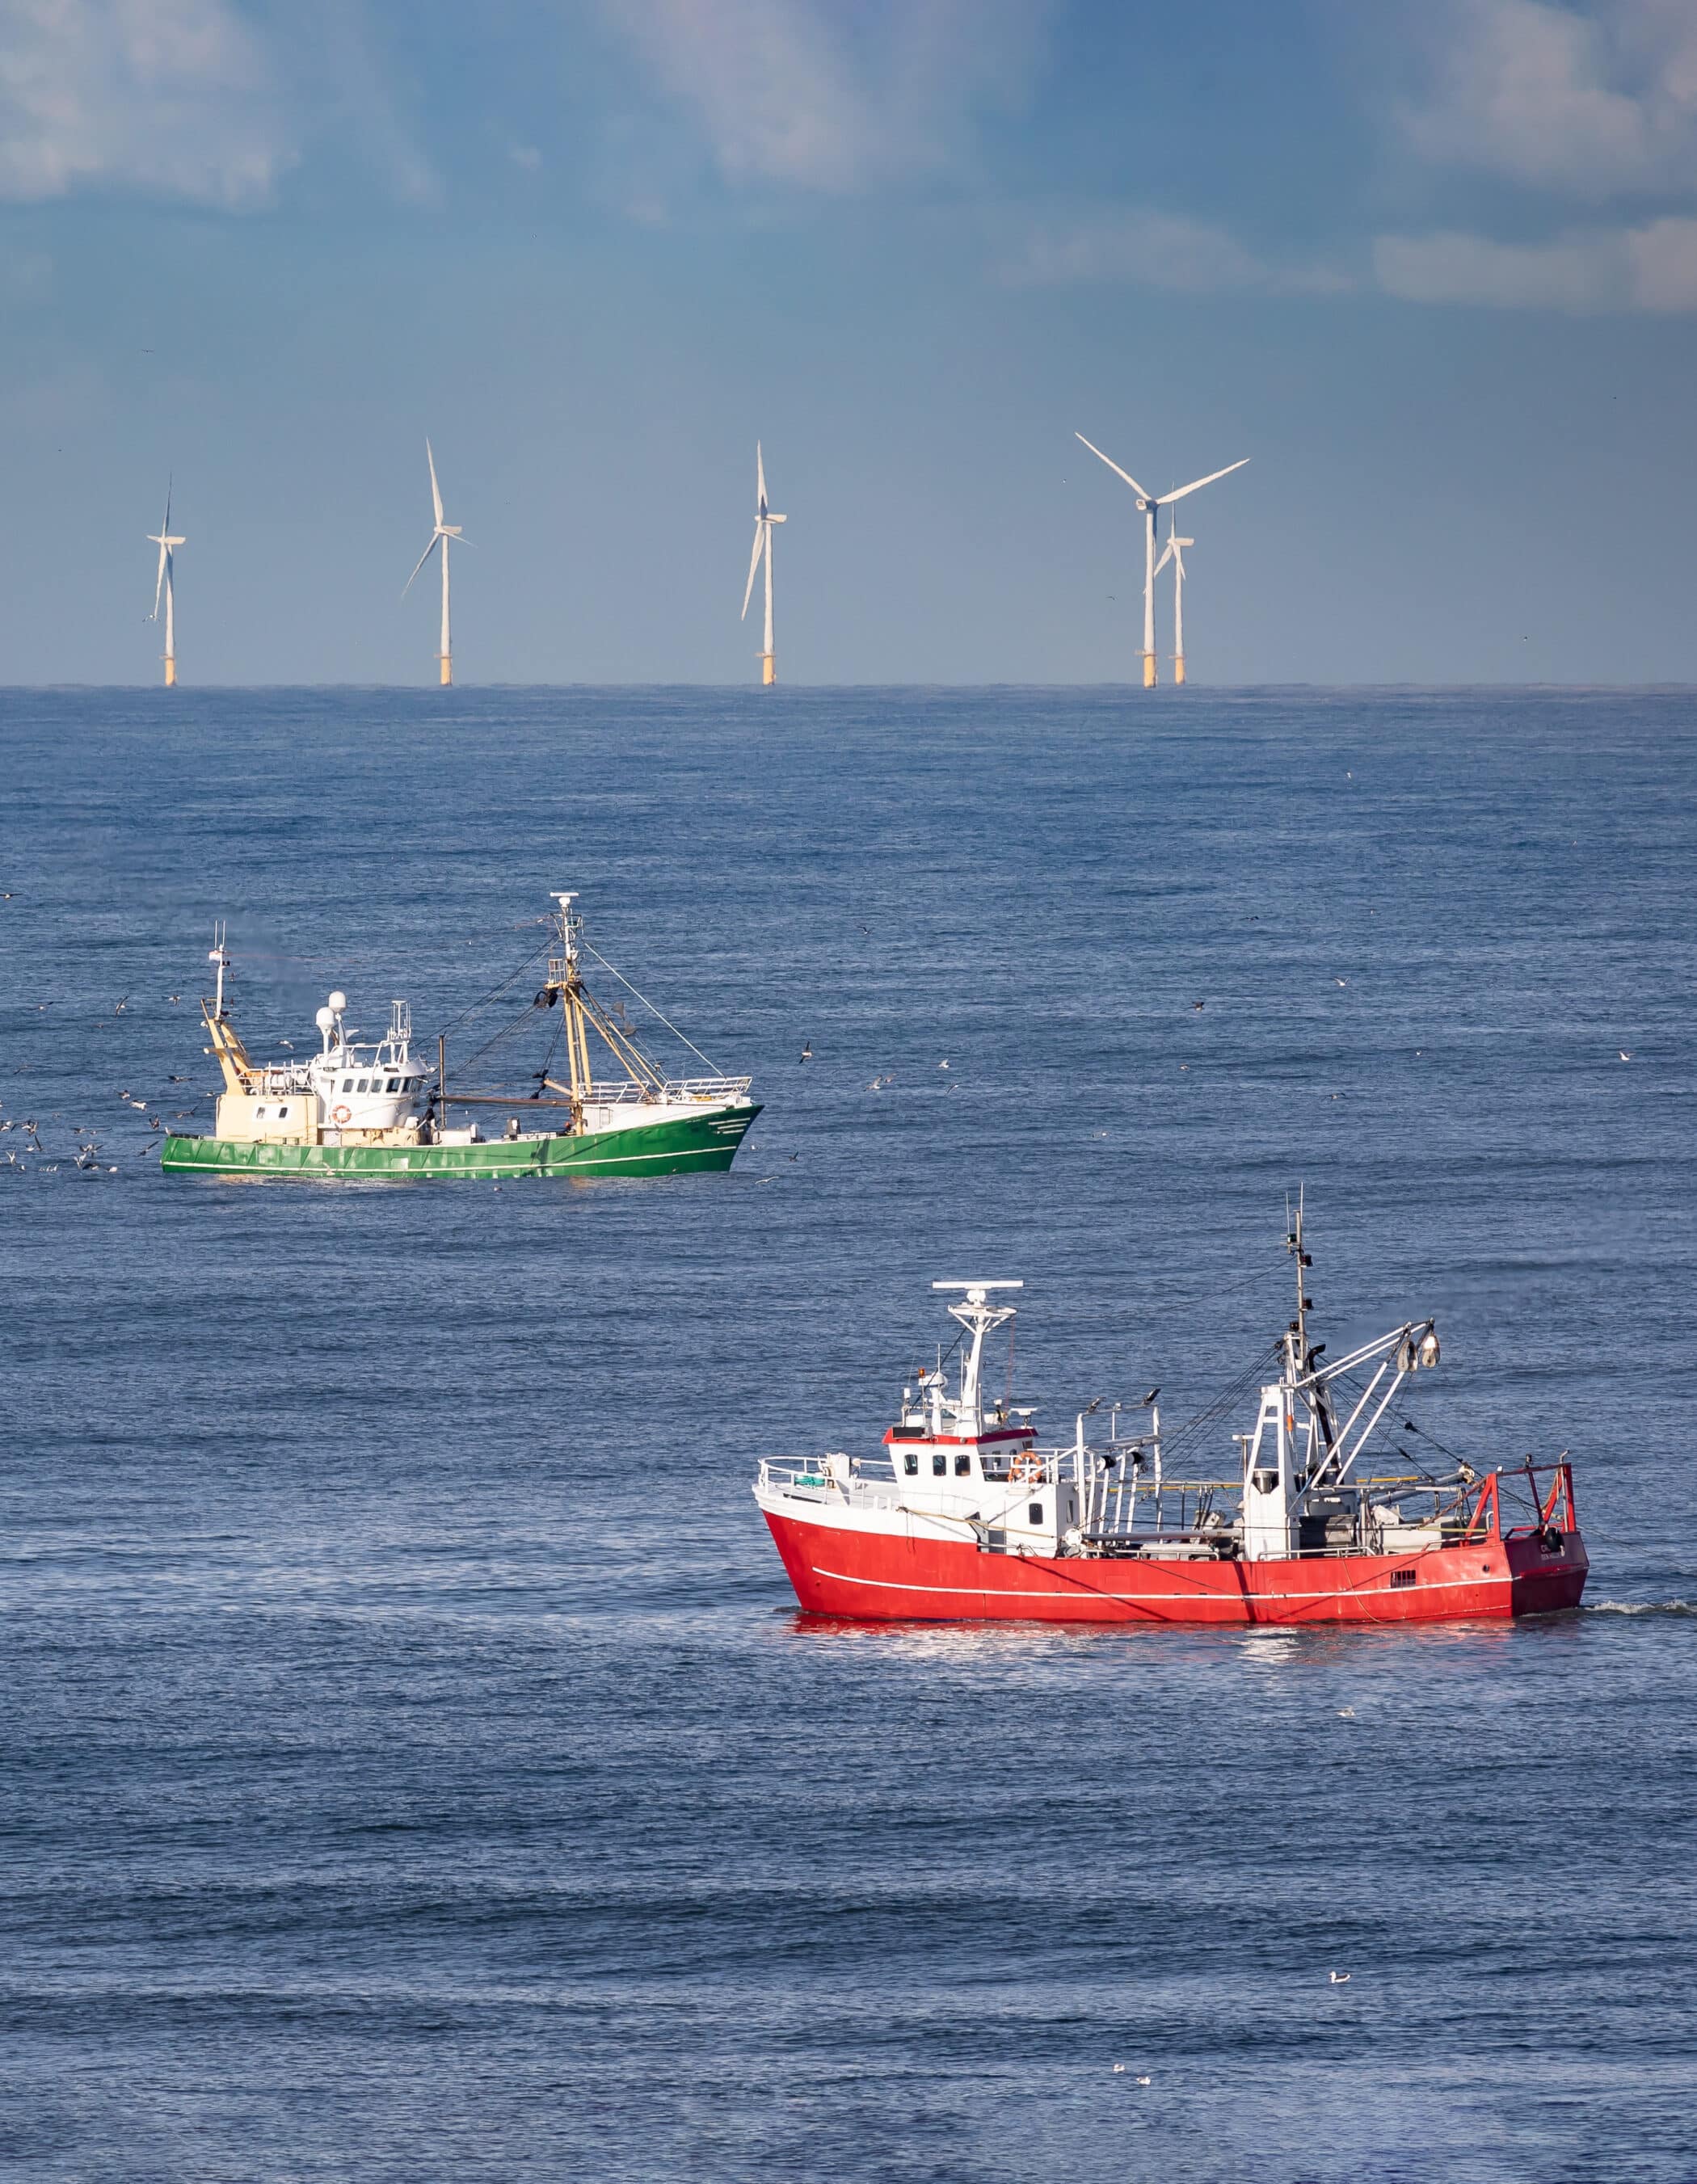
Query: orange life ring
x=1026, y=1468
x=341, y=1115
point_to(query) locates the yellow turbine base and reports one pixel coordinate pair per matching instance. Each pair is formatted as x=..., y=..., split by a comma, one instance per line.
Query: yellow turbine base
x=1178, y=667
x=447, y=665
x=768, y=669
x=171, y=673
x=1148, y=670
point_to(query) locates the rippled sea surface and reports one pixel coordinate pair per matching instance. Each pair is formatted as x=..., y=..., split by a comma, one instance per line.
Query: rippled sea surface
x=411, y=1764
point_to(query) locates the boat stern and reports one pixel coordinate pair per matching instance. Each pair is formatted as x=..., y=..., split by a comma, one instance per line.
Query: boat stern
x=1547, y=1570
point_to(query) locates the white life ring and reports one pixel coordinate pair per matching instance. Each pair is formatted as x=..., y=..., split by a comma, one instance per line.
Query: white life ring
x=341, y=1115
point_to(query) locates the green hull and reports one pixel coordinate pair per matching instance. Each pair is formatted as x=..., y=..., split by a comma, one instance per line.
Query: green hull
x=688, y=1146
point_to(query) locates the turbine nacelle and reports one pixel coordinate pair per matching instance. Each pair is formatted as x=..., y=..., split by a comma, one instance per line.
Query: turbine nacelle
x=442, y=535
x=1149, y=505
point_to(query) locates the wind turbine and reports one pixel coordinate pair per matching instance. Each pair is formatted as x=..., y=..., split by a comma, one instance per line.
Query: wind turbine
x=1174, y=554
x=763, y=520
x=164, y=586
x=1151, y=504
x=439, y=537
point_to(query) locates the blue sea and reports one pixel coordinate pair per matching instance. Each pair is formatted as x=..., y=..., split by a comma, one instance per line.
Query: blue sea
x=413, y=1765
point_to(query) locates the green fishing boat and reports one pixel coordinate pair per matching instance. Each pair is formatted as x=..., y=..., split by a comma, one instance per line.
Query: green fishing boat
x=376, y=1111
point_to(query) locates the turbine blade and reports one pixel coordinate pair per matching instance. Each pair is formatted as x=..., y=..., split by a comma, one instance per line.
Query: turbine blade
x=1114, y=467
x=422, y=559
x=1167, y=555
x=171, y=481
x=759, y=541
x=435, y=489
x=1197, y=483
x=759, y=481
x=158, y=582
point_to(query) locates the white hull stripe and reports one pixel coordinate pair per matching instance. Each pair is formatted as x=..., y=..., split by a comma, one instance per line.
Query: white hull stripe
x=1138, y=1599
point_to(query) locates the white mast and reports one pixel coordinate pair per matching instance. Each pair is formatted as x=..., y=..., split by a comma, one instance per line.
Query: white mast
x=763, y=520
x=220, y=954
x=1174, y=554
x=1151, y=504
x=165, y=585
x=443, y=533
x=978, y=1318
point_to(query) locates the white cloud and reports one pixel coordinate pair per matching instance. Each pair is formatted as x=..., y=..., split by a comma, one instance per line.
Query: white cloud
x=1652, y=268
x=174, y=97
x=1591, y=103
x=825, y=96
x=1159, y=250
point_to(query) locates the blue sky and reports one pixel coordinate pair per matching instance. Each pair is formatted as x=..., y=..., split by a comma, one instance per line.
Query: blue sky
x=1432, y=266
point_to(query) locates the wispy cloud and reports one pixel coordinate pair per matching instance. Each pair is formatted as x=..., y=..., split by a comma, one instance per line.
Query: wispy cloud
x=1592, y=103
x=1652, y=268
x=172, y=97
x=1596, y=102
x=1146, y=249
x=825, y=96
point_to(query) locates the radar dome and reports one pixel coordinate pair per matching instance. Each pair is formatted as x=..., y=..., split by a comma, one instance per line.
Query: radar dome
x=325, y=1018
x=338, y=1002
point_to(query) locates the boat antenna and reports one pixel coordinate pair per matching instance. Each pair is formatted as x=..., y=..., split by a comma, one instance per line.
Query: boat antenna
x=1293, y=1245
x=570, y=926
x=220, y=954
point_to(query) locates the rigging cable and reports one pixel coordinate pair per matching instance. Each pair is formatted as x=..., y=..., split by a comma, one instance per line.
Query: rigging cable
x=650, y=1006
x=496, y=992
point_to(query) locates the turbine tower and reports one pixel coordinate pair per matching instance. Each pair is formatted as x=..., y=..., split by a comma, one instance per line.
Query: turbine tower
x=1151, y=504
x=164, y=586
x=439, y=537
x=1174, y=554
x=763, y=520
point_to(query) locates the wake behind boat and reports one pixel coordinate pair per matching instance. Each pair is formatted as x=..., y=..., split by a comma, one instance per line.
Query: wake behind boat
x=968, y=1519
x=376, y=1111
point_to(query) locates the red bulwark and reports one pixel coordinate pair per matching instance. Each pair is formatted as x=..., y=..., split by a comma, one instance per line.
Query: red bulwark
x=887, y=1576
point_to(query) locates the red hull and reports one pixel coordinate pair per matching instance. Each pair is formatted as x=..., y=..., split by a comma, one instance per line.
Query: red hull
x=884, y=1576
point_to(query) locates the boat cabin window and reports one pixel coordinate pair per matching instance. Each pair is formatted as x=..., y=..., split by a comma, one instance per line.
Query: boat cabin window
x=363, y=1085
x=258, y=1114
x=394, y=1084
x=963, y=1466
x=1035, y=1514
x=910, y=1462
x=939, y=1464
x=347, y=1083
x=284, y=1110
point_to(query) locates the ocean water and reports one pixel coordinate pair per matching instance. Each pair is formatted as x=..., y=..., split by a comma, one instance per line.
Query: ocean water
x=413, y=1766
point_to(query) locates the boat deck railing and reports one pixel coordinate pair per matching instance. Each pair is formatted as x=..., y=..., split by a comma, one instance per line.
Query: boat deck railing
x=806, y=1476
x=627, y=1092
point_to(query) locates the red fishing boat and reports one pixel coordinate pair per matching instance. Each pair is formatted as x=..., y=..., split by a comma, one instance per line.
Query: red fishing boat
x=967, y=1519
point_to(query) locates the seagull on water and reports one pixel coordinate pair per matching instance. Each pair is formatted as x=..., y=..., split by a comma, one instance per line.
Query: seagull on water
x=1340, y=1979
x=1624, y=1056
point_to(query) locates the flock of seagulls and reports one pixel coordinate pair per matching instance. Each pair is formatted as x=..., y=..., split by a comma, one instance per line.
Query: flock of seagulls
x=87, y=1154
